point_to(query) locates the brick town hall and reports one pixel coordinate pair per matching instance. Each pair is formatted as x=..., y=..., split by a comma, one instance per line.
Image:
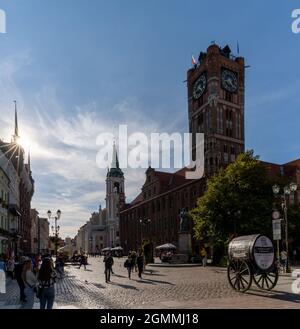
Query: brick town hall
x=216, y=99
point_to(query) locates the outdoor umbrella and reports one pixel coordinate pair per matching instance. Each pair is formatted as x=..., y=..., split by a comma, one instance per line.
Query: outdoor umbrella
x=166, y=246
x=117, y=248
x=106, y=249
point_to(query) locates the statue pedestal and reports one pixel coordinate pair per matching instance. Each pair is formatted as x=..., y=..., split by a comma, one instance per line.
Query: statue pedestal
x=185, y=243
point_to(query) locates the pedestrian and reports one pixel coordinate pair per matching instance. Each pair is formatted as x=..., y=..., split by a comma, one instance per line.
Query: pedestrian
x=140, y=264
x=133, y=257
x=108, y=262
x=83, y=261
x=46, y=279
x=18, y=275
x=2, y=277
x=30, y=281
x=59, y=266
x=10, y=266
x=204, y=257
x=128, y=266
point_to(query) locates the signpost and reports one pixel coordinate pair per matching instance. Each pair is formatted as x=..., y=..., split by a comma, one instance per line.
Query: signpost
x=277, y=230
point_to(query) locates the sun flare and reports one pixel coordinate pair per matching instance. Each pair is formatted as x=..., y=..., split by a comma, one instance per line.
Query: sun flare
x=26, y=142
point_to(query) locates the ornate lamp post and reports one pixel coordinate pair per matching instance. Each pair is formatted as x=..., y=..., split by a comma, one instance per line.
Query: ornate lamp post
x=287, y=190
x=55, y=228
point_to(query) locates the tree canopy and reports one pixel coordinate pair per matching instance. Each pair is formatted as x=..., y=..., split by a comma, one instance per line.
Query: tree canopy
x=238, y=201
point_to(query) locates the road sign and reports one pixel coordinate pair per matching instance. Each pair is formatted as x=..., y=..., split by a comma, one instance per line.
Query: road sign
x=276, y=229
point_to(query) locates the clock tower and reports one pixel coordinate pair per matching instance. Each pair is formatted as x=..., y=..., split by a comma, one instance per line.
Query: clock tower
x=216, y=94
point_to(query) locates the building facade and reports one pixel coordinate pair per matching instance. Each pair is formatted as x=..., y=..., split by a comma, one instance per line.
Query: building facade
x=216, y=91
x=92, y=236
x=34, y=234
x=216, y=99
x=21, y=189
x=154, y=215
x=4, y=214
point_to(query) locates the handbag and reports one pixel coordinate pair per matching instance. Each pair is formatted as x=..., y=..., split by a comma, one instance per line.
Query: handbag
x=39, y=291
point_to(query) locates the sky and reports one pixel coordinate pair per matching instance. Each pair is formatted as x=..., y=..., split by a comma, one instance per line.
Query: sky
x=78, y=68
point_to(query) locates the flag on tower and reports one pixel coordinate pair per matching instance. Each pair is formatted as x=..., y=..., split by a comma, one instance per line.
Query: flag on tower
x=194, y=62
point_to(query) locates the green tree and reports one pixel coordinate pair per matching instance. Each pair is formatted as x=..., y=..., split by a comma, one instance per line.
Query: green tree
x=294, y=224
x=238, y=201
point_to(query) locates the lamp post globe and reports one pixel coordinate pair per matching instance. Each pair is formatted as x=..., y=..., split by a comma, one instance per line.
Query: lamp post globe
x=276, y=189
x=293, y=187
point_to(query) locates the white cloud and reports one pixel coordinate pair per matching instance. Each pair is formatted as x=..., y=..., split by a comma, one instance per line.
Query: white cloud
x=63, y=147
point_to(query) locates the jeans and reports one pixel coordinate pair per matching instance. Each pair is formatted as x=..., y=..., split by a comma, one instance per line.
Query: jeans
x=47, y=298
x=107, y=274
x=22, y=288
x=29, y=294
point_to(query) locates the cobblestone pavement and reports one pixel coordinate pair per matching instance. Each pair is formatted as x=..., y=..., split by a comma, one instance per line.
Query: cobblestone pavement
x=161, y=287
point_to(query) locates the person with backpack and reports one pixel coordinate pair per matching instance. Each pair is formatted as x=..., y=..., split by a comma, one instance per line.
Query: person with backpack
x=108, y=262
x=128, y=266
x=46, y=280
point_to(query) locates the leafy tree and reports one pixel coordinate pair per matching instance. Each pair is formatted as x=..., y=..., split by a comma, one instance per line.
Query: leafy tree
x=294, y=224
x=238, y=201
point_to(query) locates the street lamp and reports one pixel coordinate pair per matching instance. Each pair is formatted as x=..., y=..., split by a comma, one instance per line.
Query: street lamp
x=55, y=228
x=287, y=190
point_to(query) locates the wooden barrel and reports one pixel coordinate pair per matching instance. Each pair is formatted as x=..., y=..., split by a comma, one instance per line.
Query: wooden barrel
x=256, y=249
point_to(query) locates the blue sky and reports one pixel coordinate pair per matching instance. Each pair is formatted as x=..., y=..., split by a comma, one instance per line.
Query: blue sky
x=80, y=67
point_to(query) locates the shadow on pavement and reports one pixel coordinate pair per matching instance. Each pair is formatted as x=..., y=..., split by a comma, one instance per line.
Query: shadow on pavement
x=275, y=294
x=125, y=286
x=158, y=282
x=119, y=276
x=144, y=281
x=99, y=285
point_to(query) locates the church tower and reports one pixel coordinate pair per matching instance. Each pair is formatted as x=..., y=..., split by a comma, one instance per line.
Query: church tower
x=115, y=200
x=216, y=93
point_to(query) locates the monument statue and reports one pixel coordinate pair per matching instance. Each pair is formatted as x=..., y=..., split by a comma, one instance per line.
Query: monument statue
x=184, y=221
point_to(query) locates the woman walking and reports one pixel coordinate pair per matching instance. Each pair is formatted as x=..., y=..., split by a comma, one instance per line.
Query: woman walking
x=128, y=266
x=30, y=282
x=47, y=278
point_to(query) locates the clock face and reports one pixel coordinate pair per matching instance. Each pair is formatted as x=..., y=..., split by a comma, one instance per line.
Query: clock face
x=229, y=81
x=199, y=87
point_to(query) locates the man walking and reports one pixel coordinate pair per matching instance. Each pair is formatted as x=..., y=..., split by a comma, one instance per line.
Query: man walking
x=140, y=264
x=108, y=262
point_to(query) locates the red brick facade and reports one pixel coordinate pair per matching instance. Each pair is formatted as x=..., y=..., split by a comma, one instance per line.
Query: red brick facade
x=158, y=206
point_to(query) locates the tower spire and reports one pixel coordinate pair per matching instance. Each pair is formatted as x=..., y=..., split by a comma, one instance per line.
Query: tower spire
x=115, y=170
x=29, y=161
x=16, y=135
x=115, y=160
